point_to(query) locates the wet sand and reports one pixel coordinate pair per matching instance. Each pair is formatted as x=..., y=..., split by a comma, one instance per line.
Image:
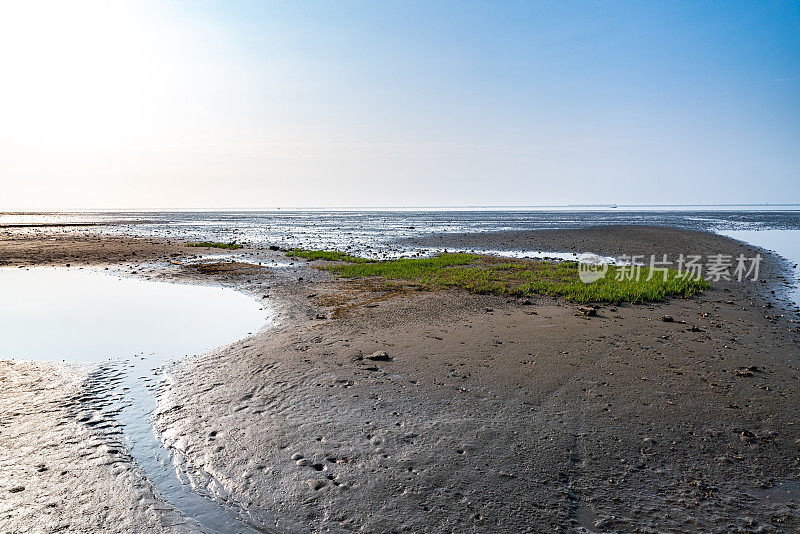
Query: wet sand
x=486, y=414
x=58, y=474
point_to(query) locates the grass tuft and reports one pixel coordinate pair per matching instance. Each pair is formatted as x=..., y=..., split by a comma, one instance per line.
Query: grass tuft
x=326, y=255
x=519, y=278
x=211, y=244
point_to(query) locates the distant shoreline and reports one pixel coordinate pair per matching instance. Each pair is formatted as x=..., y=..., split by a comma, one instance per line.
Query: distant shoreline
x=542, y=207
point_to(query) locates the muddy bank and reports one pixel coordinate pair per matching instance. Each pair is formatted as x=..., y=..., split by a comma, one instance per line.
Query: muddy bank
x=493, y=415
x=484, y=414
x=629, y=240
x=48, y=246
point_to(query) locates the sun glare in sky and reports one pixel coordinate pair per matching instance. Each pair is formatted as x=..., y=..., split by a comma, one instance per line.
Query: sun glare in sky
x=251, y=104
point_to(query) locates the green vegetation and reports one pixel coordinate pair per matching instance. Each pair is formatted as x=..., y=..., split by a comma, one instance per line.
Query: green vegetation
x=326, y=255
x=211, y=244
x=519, y=278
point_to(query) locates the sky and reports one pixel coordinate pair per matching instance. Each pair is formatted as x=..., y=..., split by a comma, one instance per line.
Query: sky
x=259, y=104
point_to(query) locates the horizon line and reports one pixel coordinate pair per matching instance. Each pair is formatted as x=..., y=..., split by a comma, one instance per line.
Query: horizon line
x=400, y=208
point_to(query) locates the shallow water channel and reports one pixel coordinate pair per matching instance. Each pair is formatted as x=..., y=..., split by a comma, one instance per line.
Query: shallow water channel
x=127, y=330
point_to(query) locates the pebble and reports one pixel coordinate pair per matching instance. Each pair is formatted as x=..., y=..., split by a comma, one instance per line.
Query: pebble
x=380, y=356
x=297, y=456
x=316, y=484
x=302, y=462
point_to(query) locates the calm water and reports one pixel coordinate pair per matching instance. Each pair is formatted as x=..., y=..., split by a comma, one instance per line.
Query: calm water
x=784, y=242
x=126, y=330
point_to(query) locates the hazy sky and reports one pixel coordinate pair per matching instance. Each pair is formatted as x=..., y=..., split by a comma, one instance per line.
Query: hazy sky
x=336, y=103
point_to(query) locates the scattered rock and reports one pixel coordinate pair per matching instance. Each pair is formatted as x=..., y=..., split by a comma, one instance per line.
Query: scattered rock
x=16, y=489
x=588, y=311
x=316, y=484
x=380, y=356
x=668, y=319
x=297, y=456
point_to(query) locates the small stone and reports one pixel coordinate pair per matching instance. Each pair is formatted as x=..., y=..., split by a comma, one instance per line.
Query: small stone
x=668, y=319
x=302, y=462
x=588, y=311
x=16, y=489
x=297, y=456
x=316, y=484
x=380, y=356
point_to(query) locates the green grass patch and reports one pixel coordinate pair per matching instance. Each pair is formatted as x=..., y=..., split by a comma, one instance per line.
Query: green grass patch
x=211, y=244
x=519, y=278
x=326, y=255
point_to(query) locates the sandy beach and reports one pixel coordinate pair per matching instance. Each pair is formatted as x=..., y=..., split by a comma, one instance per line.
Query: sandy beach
x=364, y=409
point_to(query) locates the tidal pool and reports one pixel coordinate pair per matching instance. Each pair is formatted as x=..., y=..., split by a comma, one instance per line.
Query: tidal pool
x=127, y=330
x=784, y=242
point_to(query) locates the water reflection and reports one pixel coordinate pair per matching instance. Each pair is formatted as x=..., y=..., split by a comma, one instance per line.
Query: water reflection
x=784, y=242
x=127, y=329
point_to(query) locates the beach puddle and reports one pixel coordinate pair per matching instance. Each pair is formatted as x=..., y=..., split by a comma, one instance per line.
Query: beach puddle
x=127, y=330
x=784, y=242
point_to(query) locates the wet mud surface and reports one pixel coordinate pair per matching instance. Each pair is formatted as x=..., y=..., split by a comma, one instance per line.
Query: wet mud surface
x=368, y=410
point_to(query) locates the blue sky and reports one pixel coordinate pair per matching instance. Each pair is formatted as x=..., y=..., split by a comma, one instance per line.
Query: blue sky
x=262, y=104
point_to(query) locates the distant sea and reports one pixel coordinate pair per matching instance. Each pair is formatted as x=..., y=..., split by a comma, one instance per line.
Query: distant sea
x=374, y=232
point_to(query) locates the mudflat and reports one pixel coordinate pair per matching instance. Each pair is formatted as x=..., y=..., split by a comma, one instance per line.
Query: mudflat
x=367, y=408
